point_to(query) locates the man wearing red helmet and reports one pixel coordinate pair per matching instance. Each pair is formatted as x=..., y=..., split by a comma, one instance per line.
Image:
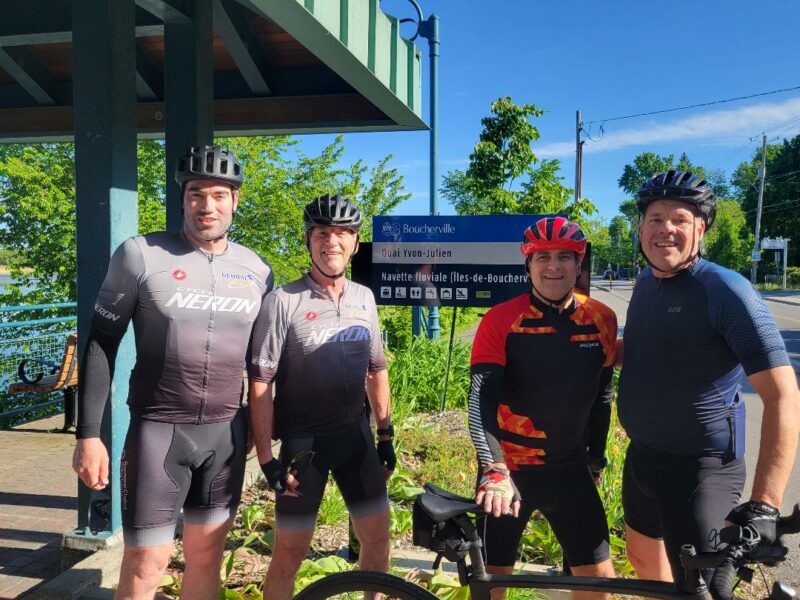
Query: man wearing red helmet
x=540, y=404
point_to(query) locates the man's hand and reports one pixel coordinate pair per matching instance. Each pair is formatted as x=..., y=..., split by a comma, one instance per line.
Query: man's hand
x=90, y=462
x=497, y=492
x=596, y=466
x=278, y=479
x=761, y=516
x=387, y=456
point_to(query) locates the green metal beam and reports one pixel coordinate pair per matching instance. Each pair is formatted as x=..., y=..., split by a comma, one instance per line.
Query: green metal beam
x=169, y=11
x=29, y=72
x=242, y=45
x=188, y=95
x=104, y=60
x=59, y=36
x=294, y=17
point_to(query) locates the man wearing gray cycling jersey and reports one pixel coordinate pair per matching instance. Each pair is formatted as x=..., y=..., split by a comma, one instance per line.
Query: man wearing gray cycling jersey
x=193, y=297
x=320, y=344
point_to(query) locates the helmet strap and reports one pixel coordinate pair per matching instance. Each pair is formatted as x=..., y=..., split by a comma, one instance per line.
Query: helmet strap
x=553, y=303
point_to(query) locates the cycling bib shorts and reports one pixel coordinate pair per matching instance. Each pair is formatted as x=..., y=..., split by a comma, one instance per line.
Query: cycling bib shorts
x=350, y=456
x=166, y=467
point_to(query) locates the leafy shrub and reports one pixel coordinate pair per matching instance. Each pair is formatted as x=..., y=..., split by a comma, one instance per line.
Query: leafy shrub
x=416, y=377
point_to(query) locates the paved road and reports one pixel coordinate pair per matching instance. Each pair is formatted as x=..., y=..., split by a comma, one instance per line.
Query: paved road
x=787, y=318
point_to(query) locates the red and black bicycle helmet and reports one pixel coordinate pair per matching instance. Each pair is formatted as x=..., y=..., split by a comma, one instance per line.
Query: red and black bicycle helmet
x=681, y=186
x=554, y=233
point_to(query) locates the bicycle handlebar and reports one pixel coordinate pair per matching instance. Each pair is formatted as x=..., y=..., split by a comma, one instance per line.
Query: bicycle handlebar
x=743, y=547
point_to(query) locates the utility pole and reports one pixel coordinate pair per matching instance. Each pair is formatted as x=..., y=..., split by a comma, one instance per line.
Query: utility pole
x=754, y=268
x=578, y=155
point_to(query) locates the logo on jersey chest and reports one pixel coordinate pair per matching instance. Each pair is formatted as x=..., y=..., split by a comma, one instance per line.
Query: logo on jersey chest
x=191, y=300
x=179, y=274
x=328, y=335
x=674, y=309
x=238, y=280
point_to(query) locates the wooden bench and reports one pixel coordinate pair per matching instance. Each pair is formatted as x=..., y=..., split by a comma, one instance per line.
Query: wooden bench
x=63, y=377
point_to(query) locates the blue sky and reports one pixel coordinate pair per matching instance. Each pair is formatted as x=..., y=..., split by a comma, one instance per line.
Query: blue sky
x=607, y=59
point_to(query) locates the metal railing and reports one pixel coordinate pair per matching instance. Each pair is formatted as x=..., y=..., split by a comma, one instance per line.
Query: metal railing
x=34, y=332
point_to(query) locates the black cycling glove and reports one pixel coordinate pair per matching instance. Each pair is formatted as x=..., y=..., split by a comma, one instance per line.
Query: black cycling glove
x=386, y=454
x=596, y=466
x=761, y=516
x=275, y=474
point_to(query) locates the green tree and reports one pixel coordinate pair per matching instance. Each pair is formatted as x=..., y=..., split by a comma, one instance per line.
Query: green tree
x=729, y=242
x=781, y=204
x=504, y=174
x=37, y=197
x=620, y=245
x=647, y=164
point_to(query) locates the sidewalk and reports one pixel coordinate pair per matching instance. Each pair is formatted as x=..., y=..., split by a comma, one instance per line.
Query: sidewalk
x=38, y=503
x=791, y=297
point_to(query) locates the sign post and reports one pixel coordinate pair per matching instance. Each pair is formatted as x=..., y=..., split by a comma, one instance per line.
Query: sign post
x=781, y=244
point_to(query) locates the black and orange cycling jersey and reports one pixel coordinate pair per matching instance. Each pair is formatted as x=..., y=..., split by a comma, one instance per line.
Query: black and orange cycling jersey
x=541, y=382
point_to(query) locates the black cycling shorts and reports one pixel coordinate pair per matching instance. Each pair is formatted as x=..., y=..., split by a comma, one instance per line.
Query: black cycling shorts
x=679, y=499
x=569, y=500
x=166, y=467
x=352, y=459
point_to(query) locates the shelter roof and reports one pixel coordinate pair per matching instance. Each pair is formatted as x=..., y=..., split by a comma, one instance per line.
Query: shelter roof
x=280, y=66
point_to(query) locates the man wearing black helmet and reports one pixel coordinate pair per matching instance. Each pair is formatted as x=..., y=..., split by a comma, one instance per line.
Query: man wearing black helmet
x=193, y=297
x=693, y=329
x=321, y=346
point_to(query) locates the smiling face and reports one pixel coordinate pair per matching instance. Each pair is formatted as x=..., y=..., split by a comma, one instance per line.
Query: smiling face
x=553, y=273
x=331, y=249
x=208, y=208
x=670, y=233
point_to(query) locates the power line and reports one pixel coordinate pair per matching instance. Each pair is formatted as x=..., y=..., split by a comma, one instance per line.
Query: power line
x=776, y=206
x=667, y=110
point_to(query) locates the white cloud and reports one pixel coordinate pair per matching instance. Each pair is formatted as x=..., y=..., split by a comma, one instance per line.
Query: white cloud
x=721, y=127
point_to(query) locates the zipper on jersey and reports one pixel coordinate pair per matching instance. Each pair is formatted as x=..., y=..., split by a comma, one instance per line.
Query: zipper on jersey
x=209, y=341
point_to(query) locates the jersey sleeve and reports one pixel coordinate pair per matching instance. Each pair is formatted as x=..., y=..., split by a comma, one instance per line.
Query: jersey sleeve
x=596, y=432
x=377, y=359
x=119, y=293
x=113, y=310
x=489, y=345
x=741, y=316
x=487, y=364
x=269, y=339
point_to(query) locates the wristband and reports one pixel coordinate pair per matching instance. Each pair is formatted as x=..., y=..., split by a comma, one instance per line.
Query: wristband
x=386, y=430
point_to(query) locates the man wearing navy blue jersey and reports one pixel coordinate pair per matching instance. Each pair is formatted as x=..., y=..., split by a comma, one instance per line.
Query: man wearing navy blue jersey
x=693, y=329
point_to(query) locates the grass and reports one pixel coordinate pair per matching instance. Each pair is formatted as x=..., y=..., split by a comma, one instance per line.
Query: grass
x=416, y=377
x=431, y=448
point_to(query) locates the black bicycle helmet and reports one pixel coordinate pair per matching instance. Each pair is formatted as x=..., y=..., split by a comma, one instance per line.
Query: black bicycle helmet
x=681, y=186
x=209, y=162
x=332, y=211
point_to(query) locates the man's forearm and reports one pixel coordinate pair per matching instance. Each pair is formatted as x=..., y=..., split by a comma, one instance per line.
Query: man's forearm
x=379, y=396
x=261, y=416
x=779, y=430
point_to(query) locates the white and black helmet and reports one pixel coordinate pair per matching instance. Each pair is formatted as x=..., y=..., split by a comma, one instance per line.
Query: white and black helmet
x=209, y=162
x=331, y=211
x=681, y=186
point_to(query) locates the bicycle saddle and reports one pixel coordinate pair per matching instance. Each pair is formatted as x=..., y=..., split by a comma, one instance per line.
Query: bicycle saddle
x=442, y=505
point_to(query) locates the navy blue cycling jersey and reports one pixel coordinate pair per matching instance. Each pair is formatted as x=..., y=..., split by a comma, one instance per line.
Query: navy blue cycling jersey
x=688, y=340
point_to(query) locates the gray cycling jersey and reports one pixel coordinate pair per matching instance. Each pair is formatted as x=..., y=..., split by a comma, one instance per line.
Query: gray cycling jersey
x=192, y=314
x=318, y=355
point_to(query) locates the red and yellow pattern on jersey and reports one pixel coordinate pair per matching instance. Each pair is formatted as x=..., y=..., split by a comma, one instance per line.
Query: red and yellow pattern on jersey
x=552, y=363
